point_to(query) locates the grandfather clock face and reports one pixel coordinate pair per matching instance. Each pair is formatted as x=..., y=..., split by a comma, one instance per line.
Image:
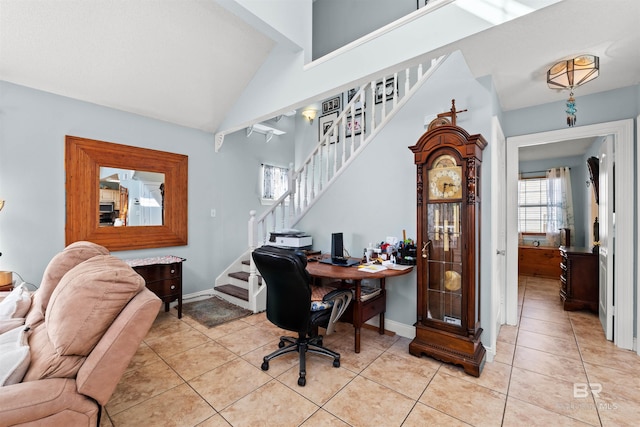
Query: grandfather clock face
x=445, y=179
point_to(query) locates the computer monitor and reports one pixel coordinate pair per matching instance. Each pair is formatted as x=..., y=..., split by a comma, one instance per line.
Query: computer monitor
x=337, y=253
x=337, y=246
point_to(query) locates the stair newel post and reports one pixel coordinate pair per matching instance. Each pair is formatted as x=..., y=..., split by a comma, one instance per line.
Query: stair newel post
x=269, y=224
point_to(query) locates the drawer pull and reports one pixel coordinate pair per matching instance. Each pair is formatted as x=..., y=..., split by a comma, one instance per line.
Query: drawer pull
x=173, y=271
x=173, y=287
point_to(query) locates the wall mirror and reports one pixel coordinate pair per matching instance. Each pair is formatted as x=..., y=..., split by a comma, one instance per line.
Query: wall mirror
x=130, y=198
x=148, y=188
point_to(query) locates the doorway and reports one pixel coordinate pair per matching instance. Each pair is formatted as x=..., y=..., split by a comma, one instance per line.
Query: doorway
x=623, y=245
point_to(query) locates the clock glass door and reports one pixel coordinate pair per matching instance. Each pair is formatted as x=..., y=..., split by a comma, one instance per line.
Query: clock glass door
x=443, y=297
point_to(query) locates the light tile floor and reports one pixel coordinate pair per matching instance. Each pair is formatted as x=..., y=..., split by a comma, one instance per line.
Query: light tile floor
x=188, y=375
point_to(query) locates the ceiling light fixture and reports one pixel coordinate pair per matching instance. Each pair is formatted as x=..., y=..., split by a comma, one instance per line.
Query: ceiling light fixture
x=309, y=114
x=570, y=74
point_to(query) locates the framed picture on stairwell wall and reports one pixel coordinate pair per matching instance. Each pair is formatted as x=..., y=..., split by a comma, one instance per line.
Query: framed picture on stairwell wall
x=324, y=124
x=386, y=90
x=332, y=104
x=355, y=125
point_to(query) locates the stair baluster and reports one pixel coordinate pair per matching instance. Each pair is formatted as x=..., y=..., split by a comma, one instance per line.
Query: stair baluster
x=322, y=167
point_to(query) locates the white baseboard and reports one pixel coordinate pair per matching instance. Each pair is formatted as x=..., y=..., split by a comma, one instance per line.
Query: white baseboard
x=407, y=331
x=195, y=296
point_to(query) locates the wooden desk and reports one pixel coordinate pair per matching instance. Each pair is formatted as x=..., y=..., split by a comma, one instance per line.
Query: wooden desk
x=362, y=310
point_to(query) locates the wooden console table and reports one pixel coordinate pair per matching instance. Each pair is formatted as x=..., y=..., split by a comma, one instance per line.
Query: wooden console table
x=361, y=310
x=163, y=276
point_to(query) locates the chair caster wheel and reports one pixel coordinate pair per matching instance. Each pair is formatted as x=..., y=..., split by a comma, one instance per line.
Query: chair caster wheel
x=265, y=366
x=281, y=344
x=302, y=381
x=336, y=363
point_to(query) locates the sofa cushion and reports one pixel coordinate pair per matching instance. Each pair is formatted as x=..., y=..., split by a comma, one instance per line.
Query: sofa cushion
x=59, y=265
x=16, y=304
x=14, y=356
x=83, y=305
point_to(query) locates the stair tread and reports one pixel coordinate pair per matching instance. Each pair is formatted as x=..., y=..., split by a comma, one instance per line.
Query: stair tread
x=234, y=291
x=243, y=275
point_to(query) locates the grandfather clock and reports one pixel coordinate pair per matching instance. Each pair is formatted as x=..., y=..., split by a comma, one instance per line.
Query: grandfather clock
x=448, y=162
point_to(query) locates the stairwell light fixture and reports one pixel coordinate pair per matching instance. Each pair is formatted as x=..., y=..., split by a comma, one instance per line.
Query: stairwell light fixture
x=309, y=114
x=571, y=73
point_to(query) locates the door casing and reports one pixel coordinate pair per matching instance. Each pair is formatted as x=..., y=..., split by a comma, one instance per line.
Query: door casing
x=624, y=249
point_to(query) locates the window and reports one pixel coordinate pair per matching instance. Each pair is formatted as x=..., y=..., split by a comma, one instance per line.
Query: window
x=533, y=202
x=275, y=182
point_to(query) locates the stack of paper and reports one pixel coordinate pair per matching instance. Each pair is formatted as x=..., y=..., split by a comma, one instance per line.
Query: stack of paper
x=368, y=292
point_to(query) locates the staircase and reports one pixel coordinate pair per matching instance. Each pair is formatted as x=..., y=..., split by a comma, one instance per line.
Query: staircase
x=366, y=113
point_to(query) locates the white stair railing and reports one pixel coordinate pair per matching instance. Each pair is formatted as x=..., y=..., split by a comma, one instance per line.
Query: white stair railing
x=366, y=113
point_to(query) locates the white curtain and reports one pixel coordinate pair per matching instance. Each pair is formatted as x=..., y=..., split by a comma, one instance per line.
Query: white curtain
x=560, y=208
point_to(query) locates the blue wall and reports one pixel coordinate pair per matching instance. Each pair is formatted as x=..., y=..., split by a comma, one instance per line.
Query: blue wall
x=33, y=125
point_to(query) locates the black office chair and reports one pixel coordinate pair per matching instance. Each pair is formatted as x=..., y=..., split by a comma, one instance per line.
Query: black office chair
x=289, y=304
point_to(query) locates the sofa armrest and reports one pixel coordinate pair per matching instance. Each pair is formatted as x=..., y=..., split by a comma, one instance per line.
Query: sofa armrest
x=53, y=401
x=102, y=370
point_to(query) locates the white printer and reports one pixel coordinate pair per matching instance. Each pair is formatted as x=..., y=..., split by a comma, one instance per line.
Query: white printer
x=293, y=239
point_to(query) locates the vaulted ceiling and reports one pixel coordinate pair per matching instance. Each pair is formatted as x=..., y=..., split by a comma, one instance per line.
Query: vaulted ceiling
x=188, y=62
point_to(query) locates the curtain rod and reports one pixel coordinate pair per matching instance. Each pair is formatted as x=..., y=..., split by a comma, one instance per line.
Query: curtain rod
x=542, y=171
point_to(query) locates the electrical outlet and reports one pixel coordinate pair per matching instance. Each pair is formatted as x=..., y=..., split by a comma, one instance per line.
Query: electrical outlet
x=213, y=213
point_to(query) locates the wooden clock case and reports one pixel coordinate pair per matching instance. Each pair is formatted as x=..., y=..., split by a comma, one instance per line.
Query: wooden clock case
x=448, y=324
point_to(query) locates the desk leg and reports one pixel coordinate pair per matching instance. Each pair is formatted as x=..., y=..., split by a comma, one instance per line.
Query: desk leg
x=381, y=322
x=357, y=315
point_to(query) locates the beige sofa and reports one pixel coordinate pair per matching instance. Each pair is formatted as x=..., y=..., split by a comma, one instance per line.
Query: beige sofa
x=83, y=326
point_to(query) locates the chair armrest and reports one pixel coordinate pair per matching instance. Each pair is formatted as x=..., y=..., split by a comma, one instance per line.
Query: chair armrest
x=53, y=397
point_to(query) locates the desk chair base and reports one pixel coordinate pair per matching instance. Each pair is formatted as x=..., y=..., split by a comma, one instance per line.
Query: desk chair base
x=302, y=345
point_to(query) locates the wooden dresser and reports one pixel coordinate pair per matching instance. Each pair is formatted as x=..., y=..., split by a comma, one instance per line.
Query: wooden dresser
x=579, y=278
x=163, y=276
x=539, y=261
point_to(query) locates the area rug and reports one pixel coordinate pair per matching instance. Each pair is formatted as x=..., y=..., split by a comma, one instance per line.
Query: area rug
x=213, y=311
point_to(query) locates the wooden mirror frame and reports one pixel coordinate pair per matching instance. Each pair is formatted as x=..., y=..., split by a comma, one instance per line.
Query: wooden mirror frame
x=83, y=159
